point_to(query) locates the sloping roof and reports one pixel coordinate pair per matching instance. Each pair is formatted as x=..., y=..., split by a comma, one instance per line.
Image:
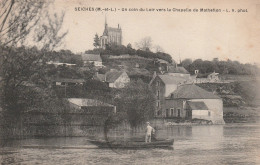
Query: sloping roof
x=163, y=61
x=113, y=29
x=112, y=76
x=167, y=79
x=214, y=74
x=88, y=102
x=191, y=91
x=178, y=69
x=91, y=57
x=200, y=105
x=110, y=29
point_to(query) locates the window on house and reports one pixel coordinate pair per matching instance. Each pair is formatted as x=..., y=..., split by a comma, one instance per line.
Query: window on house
x=158, y=94
x=209, y=113
x=172, y=112
x=159, y=113
x=167, y=113
x=158, y=103
x=179, y=112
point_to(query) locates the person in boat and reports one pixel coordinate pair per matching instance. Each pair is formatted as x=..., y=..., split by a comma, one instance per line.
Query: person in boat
x=149, y=131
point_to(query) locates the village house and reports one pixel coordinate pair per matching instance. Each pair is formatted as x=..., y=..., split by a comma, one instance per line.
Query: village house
x=94, y=59
x=162, y=86
x=206, y=78
x=192, y=102
x=114, y=79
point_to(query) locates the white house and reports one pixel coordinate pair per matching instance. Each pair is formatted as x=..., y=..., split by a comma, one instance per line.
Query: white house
x=92, y=58
x=190, y=101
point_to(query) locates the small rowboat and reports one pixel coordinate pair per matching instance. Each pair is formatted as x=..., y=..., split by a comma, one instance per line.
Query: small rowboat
x=132, y=144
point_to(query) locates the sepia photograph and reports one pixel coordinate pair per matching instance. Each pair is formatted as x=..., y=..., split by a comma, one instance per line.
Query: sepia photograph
x=130, y=82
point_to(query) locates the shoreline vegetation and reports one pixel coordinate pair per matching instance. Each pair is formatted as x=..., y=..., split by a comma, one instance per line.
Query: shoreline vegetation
x=34, y=93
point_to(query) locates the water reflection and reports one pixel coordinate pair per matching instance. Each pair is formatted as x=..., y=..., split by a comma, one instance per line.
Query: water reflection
x=216, y=144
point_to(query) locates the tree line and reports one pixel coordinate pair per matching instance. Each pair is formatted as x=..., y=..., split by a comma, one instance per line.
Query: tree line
x=222, y=67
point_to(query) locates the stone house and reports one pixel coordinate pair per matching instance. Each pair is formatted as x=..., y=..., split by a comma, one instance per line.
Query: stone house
x=192, y=102
x=94, y=59
x=114, y=79
x=162, y=86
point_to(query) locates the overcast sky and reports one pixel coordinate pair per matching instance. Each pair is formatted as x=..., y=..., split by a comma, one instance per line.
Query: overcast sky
x=186, y=34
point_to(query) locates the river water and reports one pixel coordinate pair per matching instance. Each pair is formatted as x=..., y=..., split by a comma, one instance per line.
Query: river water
x=216, y=144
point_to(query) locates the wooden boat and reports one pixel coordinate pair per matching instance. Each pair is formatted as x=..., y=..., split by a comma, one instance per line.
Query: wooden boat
x=132, y=144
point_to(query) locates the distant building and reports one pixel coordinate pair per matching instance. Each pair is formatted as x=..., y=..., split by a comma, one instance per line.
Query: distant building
x=206, y=78
x=177, y=71
x=162, y=86
x=56, y=64
x=114, y=79
x=66, y=81
x=92, y=59
x=193, y=102
x=111, y=36
x=89, y=112
x=213, y=76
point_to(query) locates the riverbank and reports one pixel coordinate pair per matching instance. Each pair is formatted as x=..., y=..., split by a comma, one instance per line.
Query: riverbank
x=241, y=114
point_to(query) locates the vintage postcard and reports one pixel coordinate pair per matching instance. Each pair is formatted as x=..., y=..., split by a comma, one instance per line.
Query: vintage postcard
x=129, y=82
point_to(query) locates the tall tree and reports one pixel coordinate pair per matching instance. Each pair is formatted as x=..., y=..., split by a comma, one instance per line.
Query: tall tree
x=136, y=103
x=129, y=46
x=145, y=44
x=25, y=23
x=96, y=41
x=158, y=48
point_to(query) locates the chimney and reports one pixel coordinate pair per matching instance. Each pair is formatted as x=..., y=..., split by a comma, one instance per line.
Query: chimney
x=118, y=26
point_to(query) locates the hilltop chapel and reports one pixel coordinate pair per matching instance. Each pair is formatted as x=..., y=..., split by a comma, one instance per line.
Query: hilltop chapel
x=111, y=35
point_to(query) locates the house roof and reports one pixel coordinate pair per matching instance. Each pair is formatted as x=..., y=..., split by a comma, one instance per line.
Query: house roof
x=82, y=102
x=167, y=79
x=214, y=74
x=163, y=61
x=191, y=91
x=200, y=105
x=91, y=57
x=178, y=69
x=112, y=76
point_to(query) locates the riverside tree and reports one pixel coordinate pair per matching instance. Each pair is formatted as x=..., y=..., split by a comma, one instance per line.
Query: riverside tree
x=24, y=24
x=136, y=103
